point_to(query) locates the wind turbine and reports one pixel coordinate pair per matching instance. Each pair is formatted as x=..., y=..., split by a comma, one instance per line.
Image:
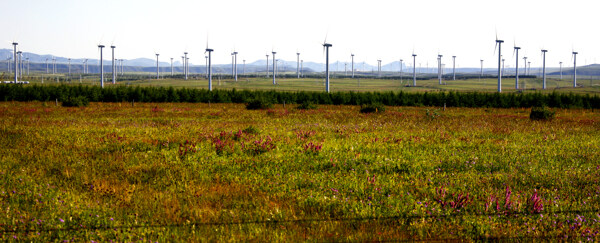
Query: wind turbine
x=185, y=65
x=244, y=67
x=401, y=70
x=101, y=67
x=440, y=69
x=235, y=65
x=544, y=68
x=209, y=65
x=525, y=63
x=352, y=55
x=68, y=69
x=575, y=69
x=298, y=64
x=516, y=50
x=15, y=57
x=499, y=45
x=454, y=68
x=157, y=70
x=560, y=64
x=46, y=65
x=274, y=63
x=267, y=65
x=378, y=67
x=27, y=65
x=114, y=74
x=54, y=64
x=414, y=69
x=326, y=49
x=481, y=70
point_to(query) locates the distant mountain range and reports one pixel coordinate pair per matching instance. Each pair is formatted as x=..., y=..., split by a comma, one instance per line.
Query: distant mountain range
x=38, y=63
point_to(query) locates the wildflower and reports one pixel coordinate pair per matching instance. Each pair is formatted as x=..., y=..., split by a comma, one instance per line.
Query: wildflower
x=61, y=220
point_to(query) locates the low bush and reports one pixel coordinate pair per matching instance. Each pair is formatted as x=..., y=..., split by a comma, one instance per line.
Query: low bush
x=258, y=104
x=541, y=113
x=77, y=101
x=307, y=105
x=371, y=108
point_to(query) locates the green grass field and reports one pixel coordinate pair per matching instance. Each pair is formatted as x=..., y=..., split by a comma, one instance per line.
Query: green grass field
x=218, y=172
x=345, y=84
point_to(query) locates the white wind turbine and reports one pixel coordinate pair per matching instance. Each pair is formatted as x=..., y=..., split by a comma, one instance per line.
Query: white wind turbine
x=209, y=65
x=326, y=49
x=100, y=47
x=499, y=46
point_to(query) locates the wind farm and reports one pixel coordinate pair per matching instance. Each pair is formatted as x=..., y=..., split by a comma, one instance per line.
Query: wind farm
x=326, y=121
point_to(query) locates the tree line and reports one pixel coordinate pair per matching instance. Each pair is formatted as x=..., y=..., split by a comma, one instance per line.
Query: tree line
x=11, y=92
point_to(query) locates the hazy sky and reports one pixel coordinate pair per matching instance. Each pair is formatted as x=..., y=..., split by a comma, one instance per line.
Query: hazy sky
x=375, y=29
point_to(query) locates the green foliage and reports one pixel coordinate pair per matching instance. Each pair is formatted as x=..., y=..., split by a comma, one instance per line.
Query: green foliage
x=541, y=113
x=258, y=104
x=372, y=108
x=400, y=98
x=307, y=105
x=76, y=101
x=432, y=114
x=251, y=130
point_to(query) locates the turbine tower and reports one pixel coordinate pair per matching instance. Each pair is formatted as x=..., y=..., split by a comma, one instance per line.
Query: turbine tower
x=209, y=68
x=499, y=43
x=516, y=50
x=454, y=68
x=379, y=68
x=440, y=69
x=114, y=76
x=244, y=67
x=298, y=64
x=171, y=67
x=481, y=70
x=414, y=69
x=28, y=65
x=560, y=64
x=46, y=65
x=101, y=67
x=54, y=64
x=326, y=46
x=235, y=65
x=185, y=65
x=157, y=70
x=15, y=57
x=274, y=61
x=267, y=65
x=352, y=55
x=544, y=68
x=575, y=69
x=69, y=69
x=401, y=70
x=525, y=64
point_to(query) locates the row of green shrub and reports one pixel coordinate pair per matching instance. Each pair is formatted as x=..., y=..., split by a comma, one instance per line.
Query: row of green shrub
x=9, y=92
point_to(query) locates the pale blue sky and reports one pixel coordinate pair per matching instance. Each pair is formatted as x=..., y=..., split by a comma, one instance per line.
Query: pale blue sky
x=377, y=29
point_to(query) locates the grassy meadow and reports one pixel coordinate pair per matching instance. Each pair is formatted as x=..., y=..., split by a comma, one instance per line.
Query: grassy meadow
x=218, y=172
x=588, y=85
